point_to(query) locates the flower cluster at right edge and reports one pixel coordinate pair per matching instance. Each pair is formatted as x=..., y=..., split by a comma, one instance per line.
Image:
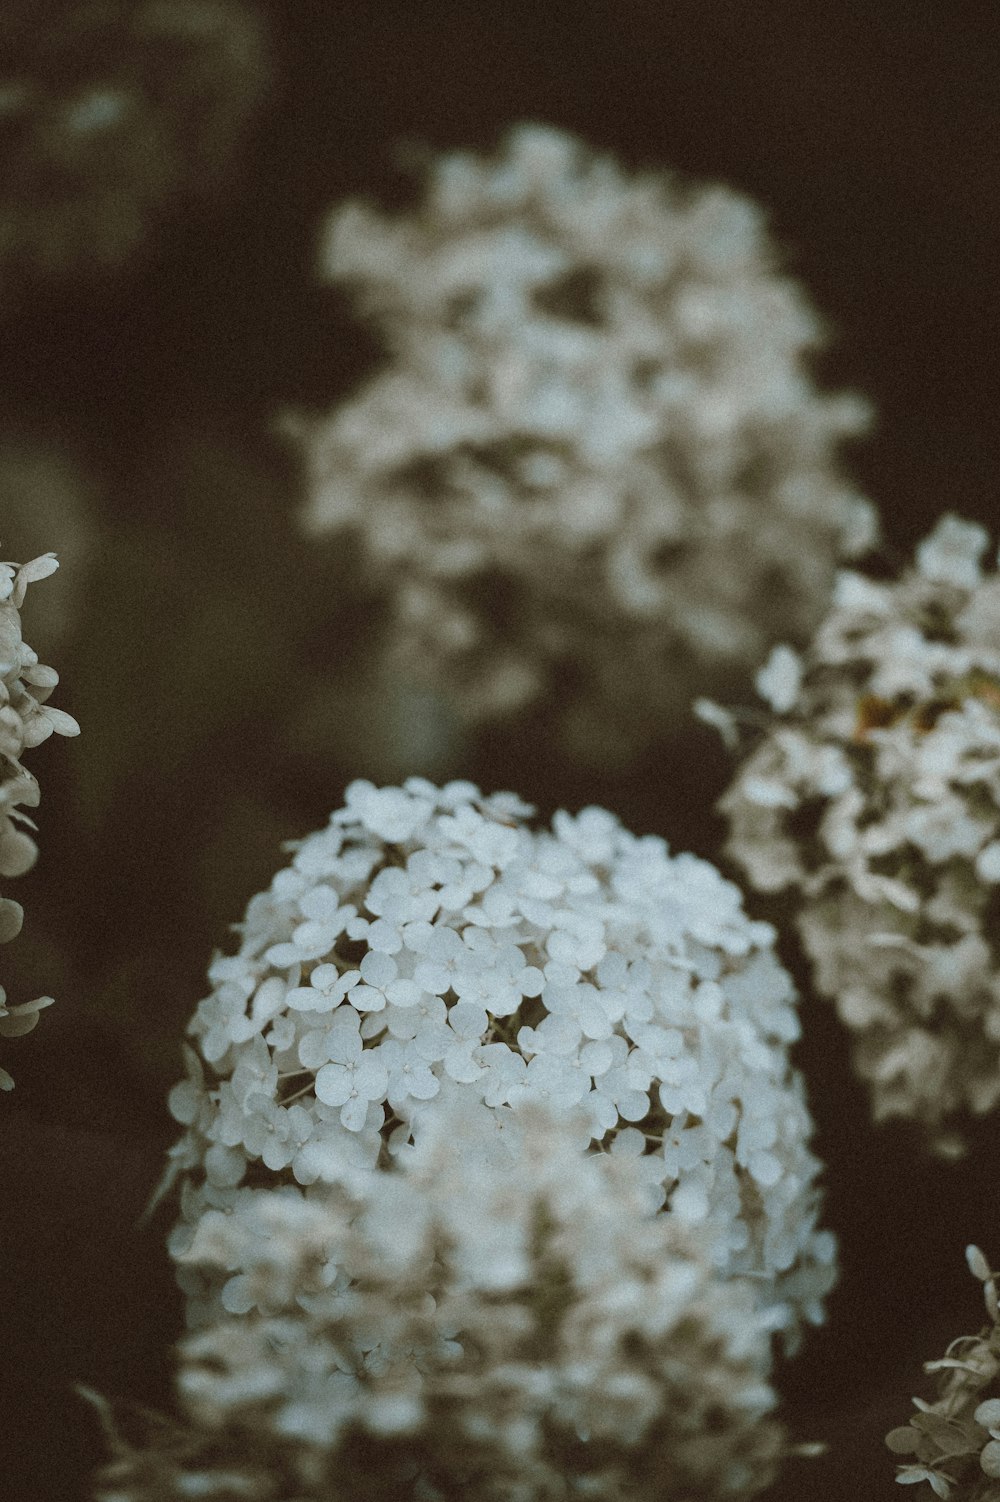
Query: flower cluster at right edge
x=955, y=1442
x=874, y=797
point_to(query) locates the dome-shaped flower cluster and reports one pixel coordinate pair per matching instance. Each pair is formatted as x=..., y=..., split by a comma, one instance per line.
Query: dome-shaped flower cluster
x=429, y=943
x=25, y=721
x=113, y=113
x=875, y=797
x=501, y=1318
x=596, y=440
x=955, y=1442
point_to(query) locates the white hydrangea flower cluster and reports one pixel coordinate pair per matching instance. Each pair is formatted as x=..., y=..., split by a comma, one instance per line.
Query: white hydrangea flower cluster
x=25, y=721
x=597, y=439
x=955, y=1441
x=502, y=1318
x=875, y=797
x=428, y=943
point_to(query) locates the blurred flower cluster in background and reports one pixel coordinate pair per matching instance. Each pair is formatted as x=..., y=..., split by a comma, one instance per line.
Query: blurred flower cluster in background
x=596, y=443
x=421, y=400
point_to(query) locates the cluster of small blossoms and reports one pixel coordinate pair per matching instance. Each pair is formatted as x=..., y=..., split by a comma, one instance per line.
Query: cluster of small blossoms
x=955, y=1441
x=596, y=440
x=112, y=113
x=500, y=1318
x=428, y=943
x=25, y=721
x=875, y=797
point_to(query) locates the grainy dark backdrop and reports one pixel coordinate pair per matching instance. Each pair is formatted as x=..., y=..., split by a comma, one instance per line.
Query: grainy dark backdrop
x=869, y=131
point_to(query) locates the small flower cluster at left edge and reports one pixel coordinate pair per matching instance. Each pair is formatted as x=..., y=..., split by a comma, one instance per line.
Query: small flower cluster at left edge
x=25, y=721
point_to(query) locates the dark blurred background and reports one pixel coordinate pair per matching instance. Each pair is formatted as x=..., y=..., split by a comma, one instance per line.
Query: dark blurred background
x=158, y=311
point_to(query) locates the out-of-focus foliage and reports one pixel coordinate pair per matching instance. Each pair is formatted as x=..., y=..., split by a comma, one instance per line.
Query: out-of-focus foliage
x=114, y=117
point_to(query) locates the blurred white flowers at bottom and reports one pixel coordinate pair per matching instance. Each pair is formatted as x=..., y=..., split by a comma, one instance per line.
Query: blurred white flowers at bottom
x=498, y=1317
